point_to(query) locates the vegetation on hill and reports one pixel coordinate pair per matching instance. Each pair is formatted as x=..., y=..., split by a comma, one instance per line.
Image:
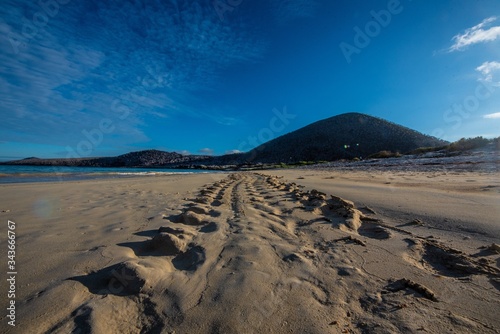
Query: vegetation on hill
x=462, y=145
x=467, y=144
x=384, y=155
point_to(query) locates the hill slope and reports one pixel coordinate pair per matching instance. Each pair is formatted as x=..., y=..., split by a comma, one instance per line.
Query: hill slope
x=341, y=137
x=147, y=158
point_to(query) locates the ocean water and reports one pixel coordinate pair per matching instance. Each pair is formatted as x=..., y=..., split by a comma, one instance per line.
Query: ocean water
x=20, y=174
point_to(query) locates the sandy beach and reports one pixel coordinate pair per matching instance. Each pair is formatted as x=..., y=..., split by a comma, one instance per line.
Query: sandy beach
x=281, y=251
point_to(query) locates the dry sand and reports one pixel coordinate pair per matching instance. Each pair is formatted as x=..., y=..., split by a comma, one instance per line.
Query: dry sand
x=255, y=253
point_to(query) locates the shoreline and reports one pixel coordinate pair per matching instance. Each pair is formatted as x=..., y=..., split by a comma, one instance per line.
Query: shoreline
x=80, y=174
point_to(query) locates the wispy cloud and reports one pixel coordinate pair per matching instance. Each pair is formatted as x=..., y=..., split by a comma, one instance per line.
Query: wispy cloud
x=481, y=33
x=288, y=10
x=94, y=53
x=494, y=115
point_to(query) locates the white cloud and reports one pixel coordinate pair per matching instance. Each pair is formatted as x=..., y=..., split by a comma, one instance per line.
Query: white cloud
x=233, y=152
x=206, y=151
x=487, y=69
x=494, y=115
x=226, y=120
x=476, y=34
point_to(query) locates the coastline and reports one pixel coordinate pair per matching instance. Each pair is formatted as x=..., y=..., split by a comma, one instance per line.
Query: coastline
x=42, y=174
x=258, y=239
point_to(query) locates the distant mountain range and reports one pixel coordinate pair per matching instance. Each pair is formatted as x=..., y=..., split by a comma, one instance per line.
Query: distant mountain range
x=346, y=136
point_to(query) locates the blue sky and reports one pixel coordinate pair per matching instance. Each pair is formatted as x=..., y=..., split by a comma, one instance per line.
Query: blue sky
x=98, y=78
